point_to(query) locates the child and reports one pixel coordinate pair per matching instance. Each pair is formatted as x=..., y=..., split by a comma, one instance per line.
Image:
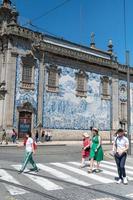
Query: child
x=85, y=149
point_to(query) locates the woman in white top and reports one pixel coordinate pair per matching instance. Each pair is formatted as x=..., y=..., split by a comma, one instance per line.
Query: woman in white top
x=29, y=151
x=120, y=148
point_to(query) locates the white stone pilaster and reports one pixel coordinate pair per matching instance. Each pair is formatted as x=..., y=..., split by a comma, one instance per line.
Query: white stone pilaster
x=115, y=102
x=10, y=85
x=40, y=92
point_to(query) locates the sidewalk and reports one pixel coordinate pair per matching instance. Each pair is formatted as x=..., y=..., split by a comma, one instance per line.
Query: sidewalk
x=50, y=143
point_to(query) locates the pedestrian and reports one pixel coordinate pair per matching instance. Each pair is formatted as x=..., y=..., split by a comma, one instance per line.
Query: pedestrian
x=14, y=136
x=47, y=135
x=85, y=149
x=29, y=151
x=120, y=148
x=96, y=151
x=42, y=136
x=4, y=137
x=36, y=136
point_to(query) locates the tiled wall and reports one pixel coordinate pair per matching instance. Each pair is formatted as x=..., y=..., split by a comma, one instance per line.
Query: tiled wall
x=64, y=110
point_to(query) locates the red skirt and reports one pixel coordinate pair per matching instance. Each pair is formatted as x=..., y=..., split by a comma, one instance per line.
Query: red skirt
x=85, y=153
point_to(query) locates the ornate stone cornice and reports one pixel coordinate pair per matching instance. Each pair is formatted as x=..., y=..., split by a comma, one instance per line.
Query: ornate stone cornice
x=22, y=32
x=41, y=45
x=45, y=46
x=76, y=55
x=123, y=69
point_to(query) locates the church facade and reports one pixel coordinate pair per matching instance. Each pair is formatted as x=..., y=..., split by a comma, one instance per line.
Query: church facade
x=50, y=83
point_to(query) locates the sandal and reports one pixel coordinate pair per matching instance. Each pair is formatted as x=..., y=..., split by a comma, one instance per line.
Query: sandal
x=90, y=171
x=82, y=166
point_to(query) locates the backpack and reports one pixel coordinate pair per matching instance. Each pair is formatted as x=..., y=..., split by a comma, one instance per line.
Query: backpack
x=34, y=145
x=24, y=141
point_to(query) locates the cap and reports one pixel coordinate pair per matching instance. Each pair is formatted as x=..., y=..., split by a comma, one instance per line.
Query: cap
x=85, y=134
x=95, y=129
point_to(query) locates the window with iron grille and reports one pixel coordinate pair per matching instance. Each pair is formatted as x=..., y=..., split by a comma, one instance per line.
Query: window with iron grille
x=27, y=71
x=81, y=78
x=27, y=74
x=53, y=78
x=105, y=87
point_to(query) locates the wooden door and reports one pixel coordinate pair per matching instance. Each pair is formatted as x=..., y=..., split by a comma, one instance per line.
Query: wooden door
x=25, y=119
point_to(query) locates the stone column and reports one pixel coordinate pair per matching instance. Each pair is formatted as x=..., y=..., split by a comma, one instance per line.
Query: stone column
x=40, y=92
x=3, y=78
x=10, y=84
x=1, y=66
x=1, y=100
x=115, y=102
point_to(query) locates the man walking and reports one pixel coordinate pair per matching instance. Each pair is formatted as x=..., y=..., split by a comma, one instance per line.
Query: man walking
x=120, y=148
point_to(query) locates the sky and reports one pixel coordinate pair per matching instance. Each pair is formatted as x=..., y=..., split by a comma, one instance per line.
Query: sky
x=75, y=20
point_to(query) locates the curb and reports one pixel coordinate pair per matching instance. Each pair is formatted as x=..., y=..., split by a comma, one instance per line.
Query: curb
x=39, y=145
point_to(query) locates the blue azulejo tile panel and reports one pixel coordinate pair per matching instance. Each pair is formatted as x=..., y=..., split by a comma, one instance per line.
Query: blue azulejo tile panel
x=64, y=110
x=23, y=96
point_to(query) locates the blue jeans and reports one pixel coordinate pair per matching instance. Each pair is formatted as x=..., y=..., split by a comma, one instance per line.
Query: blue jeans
x=13, y=138
x=120, y=161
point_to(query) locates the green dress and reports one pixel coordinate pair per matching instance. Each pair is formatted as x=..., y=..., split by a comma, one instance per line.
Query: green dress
x=98, y=156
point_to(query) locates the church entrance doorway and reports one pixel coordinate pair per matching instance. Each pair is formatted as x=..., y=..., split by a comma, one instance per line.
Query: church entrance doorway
x=25, y=120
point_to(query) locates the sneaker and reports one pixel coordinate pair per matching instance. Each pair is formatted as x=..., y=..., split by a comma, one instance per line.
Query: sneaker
x=97, y=170
x=35, y=169
x=20, y=171
x=119, y=181
x=125, y=181
x=82, y=166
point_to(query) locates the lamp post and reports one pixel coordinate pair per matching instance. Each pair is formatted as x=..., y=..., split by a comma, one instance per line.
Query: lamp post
x=128, y=103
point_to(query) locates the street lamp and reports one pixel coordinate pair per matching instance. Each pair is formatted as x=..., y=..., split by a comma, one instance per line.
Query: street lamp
x=128, y=103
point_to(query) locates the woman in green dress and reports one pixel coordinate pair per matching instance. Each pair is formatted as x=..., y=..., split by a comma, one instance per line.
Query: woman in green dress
x=96, y=152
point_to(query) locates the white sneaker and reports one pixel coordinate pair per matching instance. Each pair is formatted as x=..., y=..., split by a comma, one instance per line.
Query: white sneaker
x=119, y=181
x=125, y=181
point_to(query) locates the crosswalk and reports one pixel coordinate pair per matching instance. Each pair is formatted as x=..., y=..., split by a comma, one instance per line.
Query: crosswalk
x=57, y=176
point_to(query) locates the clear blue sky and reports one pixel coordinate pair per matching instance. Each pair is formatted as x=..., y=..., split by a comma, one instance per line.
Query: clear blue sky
x=76, y=19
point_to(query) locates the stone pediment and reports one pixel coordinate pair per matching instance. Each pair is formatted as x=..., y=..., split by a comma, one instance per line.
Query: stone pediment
x=26, y=107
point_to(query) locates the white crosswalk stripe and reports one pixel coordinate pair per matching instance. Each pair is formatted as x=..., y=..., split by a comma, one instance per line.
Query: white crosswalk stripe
x=111, y=166
x=43, y=182
x=114, y=168
x=62, y=175
x=114, y=164
x=83, y=173
x=104, y=171
x=68, y=172
x=11, y=189
x=130, y=195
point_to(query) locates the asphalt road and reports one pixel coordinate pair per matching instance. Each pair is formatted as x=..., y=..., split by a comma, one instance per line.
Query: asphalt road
x=60, y=177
